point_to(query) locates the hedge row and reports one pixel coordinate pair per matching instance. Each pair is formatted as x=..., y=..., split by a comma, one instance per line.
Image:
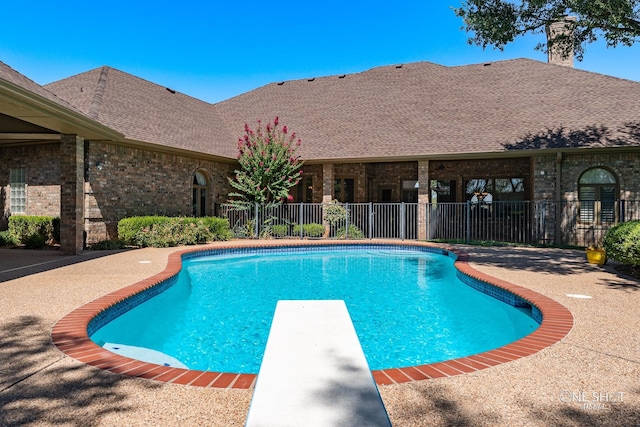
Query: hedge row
x=162, y=231
x=33, y=232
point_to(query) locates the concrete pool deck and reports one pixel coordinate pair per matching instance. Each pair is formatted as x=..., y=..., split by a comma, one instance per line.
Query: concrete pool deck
x=588, y=378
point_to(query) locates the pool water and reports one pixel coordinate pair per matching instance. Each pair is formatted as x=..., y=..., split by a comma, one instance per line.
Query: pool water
x=408, y=307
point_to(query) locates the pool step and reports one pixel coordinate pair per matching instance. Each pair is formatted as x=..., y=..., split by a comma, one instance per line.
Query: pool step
x=144, y=354
x=314, y=372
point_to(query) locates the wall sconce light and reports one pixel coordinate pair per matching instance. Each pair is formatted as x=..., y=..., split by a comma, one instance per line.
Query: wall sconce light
x=99, y=165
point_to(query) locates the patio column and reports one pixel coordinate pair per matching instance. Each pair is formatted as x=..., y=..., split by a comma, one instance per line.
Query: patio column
x=558, y=229
x=71, y=194
x=423, y=198
x=327, y=182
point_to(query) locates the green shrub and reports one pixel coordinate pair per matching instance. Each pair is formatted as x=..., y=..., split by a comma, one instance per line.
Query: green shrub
x=128, y=228
x=280, y=230
x=334, y=213
x=161, y=231
x=354, y=232
x=244, y=231
x=8, y=239
x=218, y=227
x=35, y=241
x=106, y=245
x=622, y=242
x=309, y=230
x=32, y=231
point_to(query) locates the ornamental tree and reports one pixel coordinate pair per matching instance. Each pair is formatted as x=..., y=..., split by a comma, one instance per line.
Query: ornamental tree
x=498, y=22
x=269, y=165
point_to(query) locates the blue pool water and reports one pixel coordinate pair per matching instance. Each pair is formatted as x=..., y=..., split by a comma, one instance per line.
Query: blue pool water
x=408, y=307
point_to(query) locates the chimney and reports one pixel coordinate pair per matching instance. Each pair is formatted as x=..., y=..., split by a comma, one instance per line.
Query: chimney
x=560, y=41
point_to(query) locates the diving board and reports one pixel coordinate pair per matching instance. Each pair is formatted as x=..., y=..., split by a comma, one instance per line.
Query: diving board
x=314, y=372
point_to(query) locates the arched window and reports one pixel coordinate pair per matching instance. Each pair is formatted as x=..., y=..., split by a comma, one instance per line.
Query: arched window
x=199, y=194
x=597, y=192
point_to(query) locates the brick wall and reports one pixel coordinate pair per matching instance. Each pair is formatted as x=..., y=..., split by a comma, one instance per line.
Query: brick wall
x=390, y=176
x=123, y=182
x=544, y=177
x=42, y=176
x=626, y=167
x=358, y=172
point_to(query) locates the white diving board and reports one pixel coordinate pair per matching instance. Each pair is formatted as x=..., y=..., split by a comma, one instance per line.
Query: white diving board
x=314, y=372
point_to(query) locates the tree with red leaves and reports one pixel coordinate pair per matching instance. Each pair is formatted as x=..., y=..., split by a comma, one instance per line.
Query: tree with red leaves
x=269, y=165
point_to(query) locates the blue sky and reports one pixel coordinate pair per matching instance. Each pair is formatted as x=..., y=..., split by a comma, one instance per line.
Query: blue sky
x=215, y=50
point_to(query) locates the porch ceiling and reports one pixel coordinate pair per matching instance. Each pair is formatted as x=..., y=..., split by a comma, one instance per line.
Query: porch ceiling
x=15, y=131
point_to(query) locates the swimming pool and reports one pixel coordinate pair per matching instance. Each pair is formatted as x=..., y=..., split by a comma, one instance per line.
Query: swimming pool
x=408, y=304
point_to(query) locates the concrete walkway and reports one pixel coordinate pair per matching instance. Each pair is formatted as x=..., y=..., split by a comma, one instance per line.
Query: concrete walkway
x=588, y=379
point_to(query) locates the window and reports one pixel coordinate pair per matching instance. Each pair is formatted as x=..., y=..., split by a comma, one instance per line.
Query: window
x=18, y=195
x=344, y=190
x=509, y=185
x=304, y=190
x=597, y=192
x=410, y=191
x=477, y=186
x=443, y=191
x=499, y=189
x=199, y=194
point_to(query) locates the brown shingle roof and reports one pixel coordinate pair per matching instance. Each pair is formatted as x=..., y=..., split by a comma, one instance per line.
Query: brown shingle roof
x=147, y=112
x=9, y=74
x=418, y=109
x=423, y=109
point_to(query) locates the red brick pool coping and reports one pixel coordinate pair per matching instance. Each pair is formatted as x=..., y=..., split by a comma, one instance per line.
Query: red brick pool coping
x=70, y=333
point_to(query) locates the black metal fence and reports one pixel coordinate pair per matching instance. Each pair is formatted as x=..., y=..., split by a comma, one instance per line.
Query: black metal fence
x=538, y=222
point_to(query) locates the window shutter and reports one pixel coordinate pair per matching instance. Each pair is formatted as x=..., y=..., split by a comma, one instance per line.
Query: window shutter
x=608, y=204
x=587, y=198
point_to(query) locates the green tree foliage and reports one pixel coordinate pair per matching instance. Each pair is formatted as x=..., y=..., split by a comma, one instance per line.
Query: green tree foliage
x=498, y=22
x=269, y=165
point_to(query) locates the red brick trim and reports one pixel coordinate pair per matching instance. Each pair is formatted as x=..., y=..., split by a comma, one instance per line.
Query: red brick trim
x=70, y=333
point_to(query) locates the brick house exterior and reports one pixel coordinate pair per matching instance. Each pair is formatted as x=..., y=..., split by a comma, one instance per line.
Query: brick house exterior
x=104, y=145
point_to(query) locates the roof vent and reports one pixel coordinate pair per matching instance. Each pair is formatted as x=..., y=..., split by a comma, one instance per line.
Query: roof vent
x=280, y=84
x=170, y=90
x=399, y=66
x=311, y=79
x=342, y=76
x=487, y=64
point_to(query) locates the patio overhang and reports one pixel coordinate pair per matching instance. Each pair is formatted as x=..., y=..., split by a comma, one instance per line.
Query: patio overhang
x=31, y=115
x=26, y=116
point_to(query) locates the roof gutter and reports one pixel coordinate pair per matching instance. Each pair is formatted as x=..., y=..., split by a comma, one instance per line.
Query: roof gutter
x=474, y=155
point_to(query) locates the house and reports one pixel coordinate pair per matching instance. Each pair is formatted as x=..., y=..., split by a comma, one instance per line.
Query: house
x=103, y=145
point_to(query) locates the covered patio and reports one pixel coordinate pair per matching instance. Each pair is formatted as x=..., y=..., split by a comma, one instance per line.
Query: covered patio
x=32, y=116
